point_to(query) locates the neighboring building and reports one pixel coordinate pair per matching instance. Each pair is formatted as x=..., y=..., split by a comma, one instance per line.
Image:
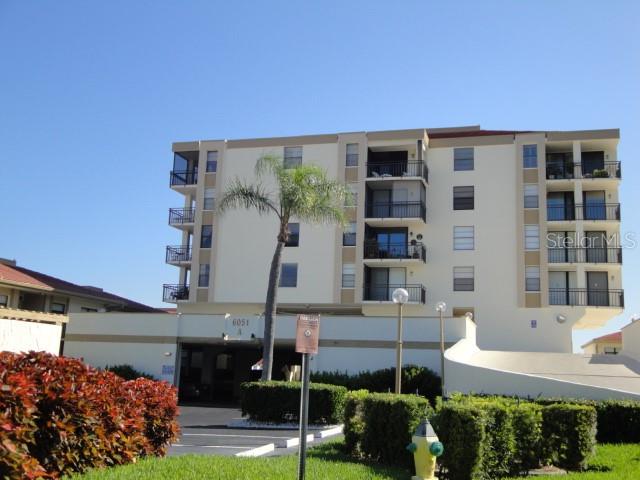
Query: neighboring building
x=34, y=307
x=607, y=344
x=520, y=228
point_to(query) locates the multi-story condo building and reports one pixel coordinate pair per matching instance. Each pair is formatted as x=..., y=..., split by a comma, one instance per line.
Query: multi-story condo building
x=519, y=228
x=516, y=227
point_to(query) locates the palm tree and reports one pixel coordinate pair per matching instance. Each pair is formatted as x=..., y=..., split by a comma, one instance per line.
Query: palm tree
x=303, y=193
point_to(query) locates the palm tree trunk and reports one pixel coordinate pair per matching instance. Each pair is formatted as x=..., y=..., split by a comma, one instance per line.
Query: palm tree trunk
x=270, y=306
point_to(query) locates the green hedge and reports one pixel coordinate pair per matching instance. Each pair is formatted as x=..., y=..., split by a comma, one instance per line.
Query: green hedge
x=415, y=380
x=280, y=402
x=526, y=419
x=569, y=433
x=379, y=426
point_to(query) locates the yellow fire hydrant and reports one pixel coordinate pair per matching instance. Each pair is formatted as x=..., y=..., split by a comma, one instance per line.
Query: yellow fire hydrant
x=425, y=447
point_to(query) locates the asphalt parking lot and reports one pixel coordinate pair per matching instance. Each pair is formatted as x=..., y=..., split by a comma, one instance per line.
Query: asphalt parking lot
x=204, y=431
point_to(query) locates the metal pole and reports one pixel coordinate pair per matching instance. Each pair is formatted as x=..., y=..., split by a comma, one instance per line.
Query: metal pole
x=399, y=351
x=304, y=417
x=442, y=354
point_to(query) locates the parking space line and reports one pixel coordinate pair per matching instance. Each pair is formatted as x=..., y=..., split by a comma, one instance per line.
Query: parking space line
x=206, y=446
x=230, y=435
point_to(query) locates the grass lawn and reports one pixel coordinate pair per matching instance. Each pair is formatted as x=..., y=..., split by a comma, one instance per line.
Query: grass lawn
x=612, y=462
x=324, y=462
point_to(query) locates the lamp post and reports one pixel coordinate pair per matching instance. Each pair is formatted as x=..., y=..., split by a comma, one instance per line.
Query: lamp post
x=399, y=296
x=440, y=308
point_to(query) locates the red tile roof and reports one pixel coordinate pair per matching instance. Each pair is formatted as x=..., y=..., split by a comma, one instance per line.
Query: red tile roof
x=615, y=337
x=32, y=279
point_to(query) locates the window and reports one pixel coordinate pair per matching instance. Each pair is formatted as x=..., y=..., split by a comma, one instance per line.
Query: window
x=530, y=156
x=209, y=199
x=463, y=198
x=531, y=196
x=88, y=310
x=352, y=155
x=292, y=156
x=348, y=275
x=203, y=275
x=532, y=279
x=610, y=350
x=349, y=235
x=4, y=300
x=206, y=236
x=532, y=237
x=463, y=238
x=462, y=159
x=463, y=279
x=212, y=162
x=289, y=275
x=294, y=235
x=352, y=198
x=58, y=308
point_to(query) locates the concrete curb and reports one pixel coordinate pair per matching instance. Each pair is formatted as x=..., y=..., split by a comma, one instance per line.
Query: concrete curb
x=258, y=451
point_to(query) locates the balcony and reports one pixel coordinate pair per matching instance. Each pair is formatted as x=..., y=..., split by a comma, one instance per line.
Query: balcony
x=383, y=293
x=178, y=254
x=174, y=293
x=398, y=169
x=593, y=212
x=374, y=250
x=396, y=210
x=583, y=297
x=179, y=217
x=571, y=171
x=585, y=255
x=182, y=178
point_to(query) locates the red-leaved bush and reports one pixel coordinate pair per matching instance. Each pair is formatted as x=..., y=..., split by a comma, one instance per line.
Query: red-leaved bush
x=59, y=416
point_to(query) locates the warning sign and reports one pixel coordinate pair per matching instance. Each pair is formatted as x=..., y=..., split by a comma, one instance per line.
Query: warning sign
x=307, y=333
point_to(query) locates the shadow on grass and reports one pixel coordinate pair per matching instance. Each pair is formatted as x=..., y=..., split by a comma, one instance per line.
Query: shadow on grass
x=334, y=452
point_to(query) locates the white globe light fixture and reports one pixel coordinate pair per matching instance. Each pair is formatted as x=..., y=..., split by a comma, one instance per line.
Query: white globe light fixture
x=441, y=307
x=469, y=316
x=561, y=318
x=400, y=296
x=635, y=317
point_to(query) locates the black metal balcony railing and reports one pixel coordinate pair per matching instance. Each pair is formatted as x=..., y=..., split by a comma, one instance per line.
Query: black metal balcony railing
x=596, y=211
x=178, y=253
x=398, y=169
x=373, y=249
x=585, y=297
x=180, y=216
x=173, y=293
x=183, y=177
x=585, y=255
x=397, y=210
x=577, y=170
x=383, y=293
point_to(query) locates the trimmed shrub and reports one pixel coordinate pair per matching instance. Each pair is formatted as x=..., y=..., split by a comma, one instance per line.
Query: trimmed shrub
x=618, y=421
x=415, y=380
x=499, y=451
x=389, y=422
x=461, y=427
x=526, y=419
x=278, y=402
x=128, y=372
x=59, y=416
x=353, y=422
x=569, y=433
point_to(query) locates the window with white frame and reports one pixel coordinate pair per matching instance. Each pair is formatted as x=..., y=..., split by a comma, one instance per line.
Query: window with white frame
x=209, y=199
x=58, y=308
x=289, y=275
x=530, y=156
x=463, y=159
x=4, y=300
x=531, y=196
x=352, y=155
x=292, y=156
x=463, y=279
x=206, y=236
x=348, y=275
x=532, y=237
x=532, y=279
x=349, y=235
x=463, y=238
x=203, y=275
x=212, y=162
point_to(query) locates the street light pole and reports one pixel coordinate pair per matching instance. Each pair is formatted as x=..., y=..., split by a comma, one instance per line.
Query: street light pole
x=399, y=296
x=441, y=307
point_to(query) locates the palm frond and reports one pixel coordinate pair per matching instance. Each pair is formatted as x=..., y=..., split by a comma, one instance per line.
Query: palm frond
x=269, y=164
x=243, y=195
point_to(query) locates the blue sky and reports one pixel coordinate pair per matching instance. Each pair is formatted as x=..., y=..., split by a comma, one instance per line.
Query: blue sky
x=93, y=93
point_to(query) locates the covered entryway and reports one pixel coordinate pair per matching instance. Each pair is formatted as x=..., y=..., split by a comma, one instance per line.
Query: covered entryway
x=212, y=374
